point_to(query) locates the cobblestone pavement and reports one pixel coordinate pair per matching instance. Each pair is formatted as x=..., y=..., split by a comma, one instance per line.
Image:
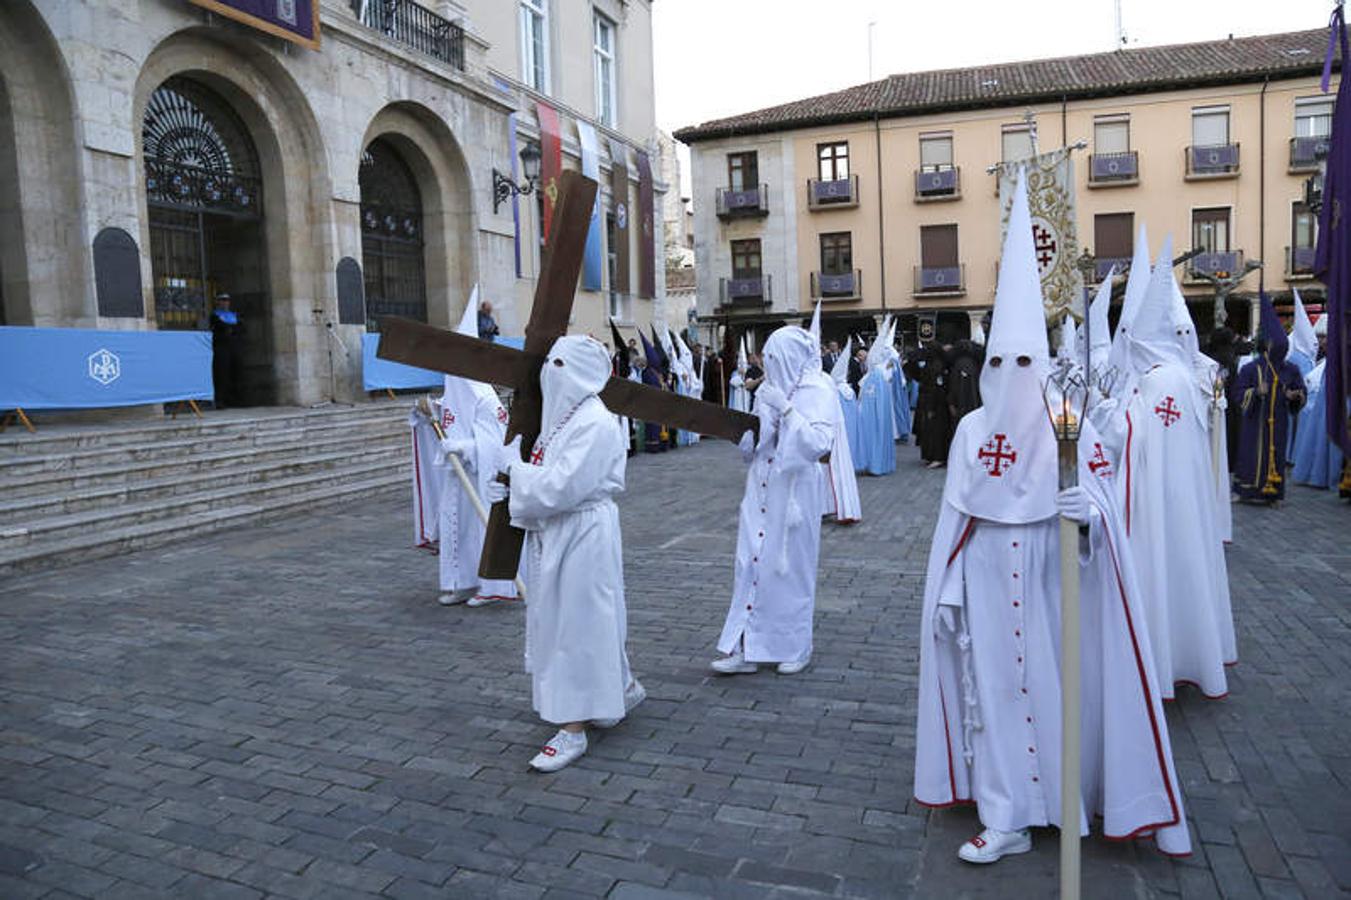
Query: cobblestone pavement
x=287, y=711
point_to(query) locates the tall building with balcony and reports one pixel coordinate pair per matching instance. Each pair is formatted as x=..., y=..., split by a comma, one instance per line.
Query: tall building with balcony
x=323, y=162
x=880, y=199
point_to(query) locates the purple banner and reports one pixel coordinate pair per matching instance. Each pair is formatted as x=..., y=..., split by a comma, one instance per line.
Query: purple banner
x=294, y=20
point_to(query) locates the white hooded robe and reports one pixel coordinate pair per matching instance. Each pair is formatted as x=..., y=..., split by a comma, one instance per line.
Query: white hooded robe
x=779, y=531
x=576, y=622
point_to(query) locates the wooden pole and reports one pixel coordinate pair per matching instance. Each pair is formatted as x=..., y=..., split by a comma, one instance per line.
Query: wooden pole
x=1069, y=682
x=474, y=498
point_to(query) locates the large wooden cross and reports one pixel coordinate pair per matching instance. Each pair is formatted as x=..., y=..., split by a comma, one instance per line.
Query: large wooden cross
x=428, y=347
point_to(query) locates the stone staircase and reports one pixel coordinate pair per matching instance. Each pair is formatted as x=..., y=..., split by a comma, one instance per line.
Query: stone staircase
x=72, y=493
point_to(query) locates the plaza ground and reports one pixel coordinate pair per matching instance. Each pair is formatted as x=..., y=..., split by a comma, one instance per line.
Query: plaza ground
x=286, y=711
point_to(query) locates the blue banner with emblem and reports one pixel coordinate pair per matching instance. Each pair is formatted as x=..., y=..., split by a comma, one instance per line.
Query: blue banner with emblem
x=293, y=20
x=380, y=374
x=85, y=368
x=593, y=259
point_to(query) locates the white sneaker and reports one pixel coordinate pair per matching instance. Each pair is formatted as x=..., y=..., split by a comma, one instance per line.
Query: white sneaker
x=991, y=845
x=634, y=694
x=797, y=665
x=453, y=598
x=734, y=665
x=480, y=600
x=563, y=748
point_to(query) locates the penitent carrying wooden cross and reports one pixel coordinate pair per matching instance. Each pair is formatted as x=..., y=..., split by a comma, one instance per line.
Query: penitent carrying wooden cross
x=428, y=347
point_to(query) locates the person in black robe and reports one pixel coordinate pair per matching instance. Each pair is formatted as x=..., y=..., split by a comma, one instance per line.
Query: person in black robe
x=928, y=369
x=858, y=367
x=963, y=380
x=1268, y=392
x=1223, y=346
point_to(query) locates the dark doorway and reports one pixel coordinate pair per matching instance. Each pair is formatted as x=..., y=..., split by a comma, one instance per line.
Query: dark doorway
x=205, y=193
x=391, y=236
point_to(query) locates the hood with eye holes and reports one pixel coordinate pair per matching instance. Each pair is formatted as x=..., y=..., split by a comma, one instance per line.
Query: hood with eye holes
x=577, y=367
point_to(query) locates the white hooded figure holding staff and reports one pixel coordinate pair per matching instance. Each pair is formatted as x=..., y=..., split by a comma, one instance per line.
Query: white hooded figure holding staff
x=779, y=532
x=576, y=623
x=989, y=715
x=474, y=424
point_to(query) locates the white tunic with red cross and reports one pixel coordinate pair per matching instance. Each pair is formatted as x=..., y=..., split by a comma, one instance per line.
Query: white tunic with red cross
x=989, y=718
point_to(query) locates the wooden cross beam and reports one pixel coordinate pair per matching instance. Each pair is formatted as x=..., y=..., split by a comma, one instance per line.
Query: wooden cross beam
x=428, y=347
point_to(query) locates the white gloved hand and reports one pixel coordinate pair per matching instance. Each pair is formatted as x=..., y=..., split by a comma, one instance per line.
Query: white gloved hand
x=1074, y=504
x=945, y=619
x=508, y=454
x=747, y=446
x=456, y=447
x=495, y=492
x=770, y=399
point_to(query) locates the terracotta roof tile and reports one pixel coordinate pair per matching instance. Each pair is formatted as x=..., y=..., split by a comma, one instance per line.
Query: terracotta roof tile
x=1128, y=71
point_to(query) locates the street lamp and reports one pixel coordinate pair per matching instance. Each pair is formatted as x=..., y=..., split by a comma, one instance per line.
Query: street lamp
x=1066, y=397
x=504, y=187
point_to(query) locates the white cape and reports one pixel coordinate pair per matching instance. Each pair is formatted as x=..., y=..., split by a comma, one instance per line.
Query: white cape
x=428, y=478
x=1005, y=707
x=1169, y=496
x=839, y=484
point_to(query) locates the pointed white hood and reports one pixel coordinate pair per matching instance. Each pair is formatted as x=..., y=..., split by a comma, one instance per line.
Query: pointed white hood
x=1302, y=337
x=741, y=360
x=877, y=350
x=1099, y=334
x=1068, y=347
x=978, y=334
x=1137, y=280
x=815, y=329
x=1157, y=334
x=1003, y=466
x=459, y=394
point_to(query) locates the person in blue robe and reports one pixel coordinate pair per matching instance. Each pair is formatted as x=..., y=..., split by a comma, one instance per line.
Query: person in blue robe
x=1318, y=461
x=876, y=425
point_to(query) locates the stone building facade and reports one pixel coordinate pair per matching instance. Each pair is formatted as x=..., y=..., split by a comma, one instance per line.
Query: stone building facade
x=154, y=154
x=878, y=198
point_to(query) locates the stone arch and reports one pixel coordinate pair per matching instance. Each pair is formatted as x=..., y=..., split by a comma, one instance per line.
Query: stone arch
x=294, y=170
x=44, y=261
x=429, y=149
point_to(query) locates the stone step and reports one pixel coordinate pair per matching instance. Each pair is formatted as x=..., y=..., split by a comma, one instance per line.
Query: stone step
x=56, y=502
x=107, y=457
x=42, y=482
x=95, y=544
x=59, y=439
x=114, y=518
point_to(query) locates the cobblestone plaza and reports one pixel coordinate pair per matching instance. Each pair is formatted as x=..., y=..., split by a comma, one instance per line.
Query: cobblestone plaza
x=286, y=711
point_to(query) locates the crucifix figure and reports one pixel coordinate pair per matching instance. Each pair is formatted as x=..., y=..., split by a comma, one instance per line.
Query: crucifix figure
x=428, y=347
x=1224, y=286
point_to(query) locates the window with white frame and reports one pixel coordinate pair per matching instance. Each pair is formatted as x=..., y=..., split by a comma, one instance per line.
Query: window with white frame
x=535, y=44
x=1313, y=117
x=1210, y=126
x=607, y=109
x=1016, y=143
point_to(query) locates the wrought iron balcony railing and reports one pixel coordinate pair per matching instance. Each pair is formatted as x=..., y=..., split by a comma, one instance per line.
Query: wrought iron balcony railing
x=1299, y=262
x=842, y=286
x=1216, y=160
x=940, y=281
x=1114, y=168
x=750, y=202
x=414, y=26
x=750, y=292
x=1103, y=264
x=1221, y=264
x=938, y=183
x=1307, y=152
x=835, y=194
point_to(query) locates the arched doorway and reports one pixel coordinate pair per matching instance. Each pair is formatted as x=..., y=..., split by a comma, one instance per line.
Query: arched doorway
x=204, y=191
x=392, y=252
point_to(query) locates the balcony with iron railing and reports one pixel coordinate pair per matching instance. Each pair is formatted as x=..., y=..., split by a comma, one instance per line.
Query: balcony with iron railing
x=938, y=183
x=746, y=292
x=1214, y=161
x=414, y=26
x=1299, y=263
x=1307, y=152
x=830, y=286
x=748, y=203
x=1114, y=169
x=940, y=281
x=1102, y=265
x=838, y=193
x=1219, y=264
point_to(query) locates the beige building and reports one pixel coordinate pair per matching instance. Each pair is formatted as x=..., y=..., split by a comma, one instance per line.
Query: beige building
x=157, y=153
x=878, y=198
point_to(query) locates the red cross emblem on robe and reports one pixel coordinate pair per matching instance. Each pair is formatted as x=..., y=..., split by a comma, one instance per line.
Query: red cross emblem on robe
x=1099, y=464
x=997, y=455
x=1168, y=411
x=447, y=417
x=502, y=415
